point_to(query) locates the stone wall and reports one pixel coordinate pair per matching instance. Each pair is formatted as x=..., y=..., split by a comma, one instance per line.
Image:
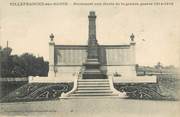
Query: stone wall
x=108, y=55
x=118, y=56
x=68, y=60
x=70, y=56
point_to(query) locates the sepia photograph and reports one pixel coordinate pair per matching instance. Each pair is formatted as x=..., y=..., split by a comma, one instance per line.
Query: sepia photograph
x=93, y=58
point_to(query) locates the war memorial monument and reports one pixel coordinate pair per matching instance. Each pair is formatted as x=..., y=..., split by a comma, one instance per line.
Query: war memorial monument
x=94, y=67
x=92, y=80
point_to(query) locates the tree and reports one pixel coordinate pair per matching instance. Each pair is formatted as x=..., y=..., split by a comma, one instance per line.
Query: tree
x=6, y=62
x=22, y=66
x=158, y=66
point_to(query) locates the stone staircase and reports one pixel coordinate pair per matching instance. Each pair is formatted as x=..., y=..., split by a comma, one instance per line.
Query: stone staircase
x=89, y=88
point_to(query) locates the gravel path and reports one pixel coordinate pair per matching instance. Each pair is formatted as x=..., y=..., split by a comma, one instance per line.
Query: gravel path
x=92, y=108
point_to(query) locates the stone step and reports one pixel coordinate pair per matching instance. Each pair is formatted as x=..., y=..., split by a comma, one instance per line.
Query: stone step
x=93, y=80
x=93, y=97
x=91, y=94
x=92, y=85
x=93, y=91
x=94, y=88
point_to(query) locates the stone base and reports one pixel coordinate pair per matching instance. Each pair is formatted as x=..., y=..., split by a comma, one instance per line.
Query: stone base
x=91, y=75
x=51, y=74
x=92, y=70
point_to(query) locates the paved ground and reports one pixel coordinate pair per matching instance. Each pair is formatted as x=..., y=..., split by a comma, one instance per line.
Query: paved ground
x=92, y=108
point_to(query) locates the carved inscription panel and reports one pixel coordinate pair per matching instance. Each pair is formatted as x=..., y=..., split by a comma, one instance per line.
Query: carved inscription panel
x=107, y=55
x=70, y=56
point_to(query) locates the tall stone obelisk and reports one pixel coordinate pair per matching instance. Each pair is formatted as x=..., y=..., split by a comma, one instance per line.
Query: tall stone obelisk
x=92, y=64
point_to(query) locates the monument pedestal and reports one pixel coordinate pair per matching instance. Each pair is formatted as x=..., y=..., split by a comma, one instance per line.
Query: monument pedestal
x=93, y=75
x=92, y=64
x=92, y=70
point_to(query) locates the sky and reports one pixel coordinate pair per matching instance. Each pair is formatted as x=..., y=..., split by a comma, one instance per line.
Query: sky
x=156, y=28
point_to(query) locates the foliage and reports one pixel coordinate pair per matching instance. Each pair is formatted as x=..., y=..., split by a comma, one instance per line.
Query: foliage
x=21, y=66
x=37, y=92
x=157, y=69
x=149, y=91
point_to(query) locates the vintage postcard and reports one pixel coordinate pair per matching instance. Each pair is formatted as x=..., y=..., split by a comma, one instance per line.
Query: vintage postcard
x=93, y=58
